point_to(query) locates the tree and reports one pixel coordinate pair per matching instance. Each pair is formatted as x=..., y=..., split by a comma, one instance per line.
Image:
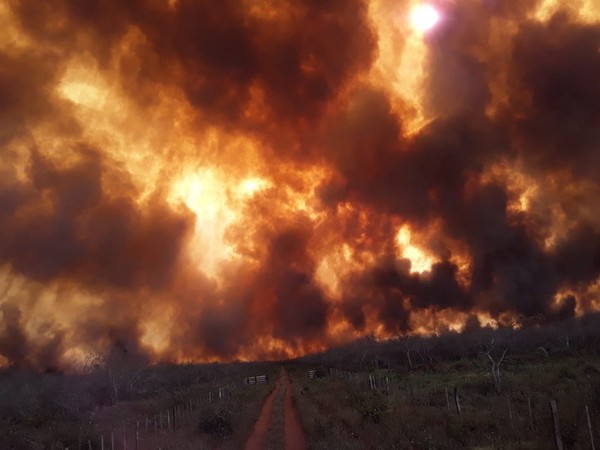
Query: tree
x=496, y=361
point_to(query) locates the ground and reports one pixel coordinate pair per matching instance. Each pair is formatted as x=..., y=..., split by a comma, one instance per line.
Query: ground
x=400, y=394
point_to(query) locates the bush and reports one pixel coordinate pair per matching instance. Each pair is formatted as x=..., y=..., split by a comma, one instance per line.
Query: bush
x=218, y=423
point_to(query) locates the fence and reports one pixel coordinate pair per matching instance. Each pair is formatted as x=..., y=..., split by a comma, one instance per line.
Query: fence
x=165, y=420
x=380, y=385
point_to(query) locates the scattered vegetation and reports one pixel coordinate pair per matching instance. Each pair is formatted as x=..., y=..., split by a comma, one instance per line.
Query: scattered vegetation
x=53, y=410
x=412, y=403
x=397, y=394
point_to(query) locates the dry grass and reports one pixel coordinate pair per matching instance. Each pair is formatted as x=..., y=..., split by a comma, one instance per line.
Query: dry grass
x=56, y=411
x=342, y=412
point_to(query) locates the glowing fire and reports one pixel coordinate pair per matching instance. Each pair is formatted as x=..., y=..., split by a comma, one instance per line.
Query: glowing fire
x=424, y=17
x=419, y=260
x=237, y=202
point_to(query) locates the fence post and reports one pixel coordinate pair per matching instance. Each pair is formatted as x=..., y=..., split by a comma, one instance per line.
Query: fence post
x=102, y=442
x=557, y=437
x=447, y=399
x=510, y=412
x=587, y=413
x=89, y=444
x=530, y=413
x=457, y=401
x=137, y=435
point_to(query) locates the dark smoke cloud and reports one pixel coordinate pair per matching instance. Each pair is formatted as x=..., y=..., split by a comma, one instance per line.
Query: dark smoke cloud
x=63, y=224
x=557, y=65
x=19, y=349
x=73, y=217
x=25, y=81
x=431, y=176
x=577, y=256
x=396, y=292
x=300, y=307
x=217, y=52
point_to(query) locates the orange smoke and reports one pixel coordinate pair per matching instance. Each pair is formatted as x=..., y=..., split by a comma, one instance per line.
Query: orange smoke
x=199, y=182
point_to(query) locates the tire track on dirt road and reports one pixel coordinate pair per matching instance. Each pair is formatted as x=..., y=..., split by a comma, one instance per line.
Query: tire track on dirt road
x=293, y=432
x=259, y=434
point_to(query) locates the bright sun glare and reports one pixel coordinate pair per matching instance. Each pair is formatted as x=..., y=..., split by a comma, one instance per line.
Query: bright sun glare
x=424, y=17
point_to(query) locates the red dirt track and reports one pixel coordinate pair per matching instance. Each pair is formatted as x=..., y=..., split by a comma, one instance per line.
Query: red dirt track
x=294, y=435
x=257, y=438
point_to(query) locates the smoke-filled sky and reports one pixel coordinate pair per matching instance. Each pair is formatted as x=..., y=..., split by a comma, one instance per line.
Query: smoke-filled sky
x=198, y=180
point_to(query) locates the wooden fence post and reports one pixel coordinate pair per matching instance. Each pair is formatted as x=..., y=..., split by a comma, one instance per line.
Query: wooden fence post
x=587, y=413
x=102, y=442
x=447, y=399
x=530, y=413
x=457, y=401
x=510, y=412
x=89, y=444
x=557, y=437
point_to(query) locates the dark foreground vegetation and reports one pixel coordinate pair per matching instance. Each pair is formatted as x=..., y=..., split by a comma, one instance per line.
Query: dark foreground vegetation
x=56, y=411
x=400, y=394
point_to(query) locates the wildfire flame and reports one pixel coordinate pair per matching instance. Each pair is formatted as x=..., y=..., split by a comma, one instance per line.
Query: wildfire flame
x=194, y=181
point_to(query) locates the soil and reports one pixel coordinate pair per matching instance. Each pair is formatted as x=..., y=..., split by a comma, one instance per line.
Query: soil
x=293, y=432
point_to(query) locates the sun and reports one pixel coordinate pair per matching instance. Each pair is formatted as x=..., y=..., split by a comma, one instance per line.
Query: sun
x=424, y=17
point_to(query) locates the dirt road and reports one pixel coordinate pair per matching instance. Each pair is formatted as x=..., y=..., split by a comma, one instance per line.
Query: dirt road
x=293, y=432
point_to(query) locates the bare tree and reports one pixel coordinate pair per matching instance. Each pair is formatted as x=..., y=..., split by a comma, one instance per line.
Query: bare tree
x=408, y=355
x=495, y=363
x=544, y=351
x=426, y=345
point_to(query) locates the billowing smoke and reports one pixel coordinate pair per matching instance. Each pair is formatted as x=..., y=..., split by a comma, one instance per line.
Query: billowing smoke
x=197, y=180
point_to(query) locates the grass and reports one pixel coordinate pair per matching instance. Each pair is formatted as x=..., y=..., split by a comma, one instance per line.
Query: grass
x=56, y=411
x=342, y=412
x=339, y=410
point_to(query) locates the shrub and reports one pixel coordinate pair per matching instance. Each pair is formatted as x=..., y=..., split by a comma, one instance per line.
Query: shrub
x=216, y=423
